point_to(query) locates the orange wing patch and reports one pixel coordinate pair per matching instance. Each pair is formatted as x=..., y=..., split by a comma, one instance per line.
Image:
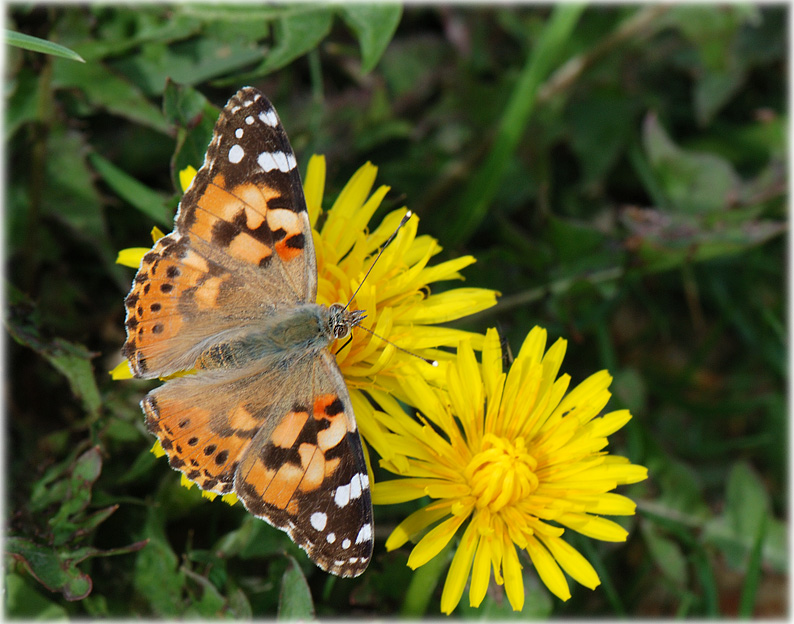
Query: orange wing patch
x=256, y=196
x=313, y=464
x=246, y=248
x=288, y=430
x=153, y=317
x=327, y=407
x=193, y=445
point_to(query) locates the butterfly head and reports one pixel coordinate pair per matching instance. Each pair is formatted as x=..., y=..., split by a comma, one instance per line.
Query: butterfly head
x=341, y=320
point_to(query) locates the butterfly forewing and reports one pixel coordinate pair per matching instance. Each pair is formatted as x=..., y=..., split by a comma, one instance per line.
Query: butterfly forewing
x=261, y=416
x=247, y=200
x=241, y=245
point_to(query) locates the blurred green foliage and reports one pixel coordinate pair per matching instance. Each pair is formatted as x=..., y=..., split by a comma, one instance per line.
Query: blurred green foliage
x=619, y=172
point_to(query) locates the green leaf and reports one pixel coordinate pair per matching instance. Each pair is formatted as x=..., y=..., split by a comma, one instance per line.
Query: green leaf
x=150, y=203
x=228, y=12
x=747, y=510
x=70, y=197
x=192, y=144
x=212, y=604
x=664, y=240
x=188, y=62
x=667, y=555
x=157, y=574
x=107, y=90
x=714, y=89
x=130, y=29
x=256, y=540
x=182, y=104
x=24, y=602
x=702, y=565
x=50, y=568
x=41, y=45
x=681, y=490
x=424, y=582
x=54, y=563
x=713, y=32
x=295, y=600
x=374, y=25
x=73, y=361
x=194, y=117
x=295, y=35
x=694, y=182
x=746, y=501
x=83, y=474
x=239, y=604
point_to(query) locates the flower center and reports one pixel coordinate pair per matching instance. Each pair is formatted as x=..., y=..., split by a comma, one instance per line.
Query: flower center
x=501, y=473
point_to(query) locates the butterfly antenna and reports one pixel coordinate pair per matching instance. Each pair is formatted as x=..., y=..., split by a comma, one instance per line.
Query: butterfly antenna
x=407, y=216
x=399, y=348
x=404, y=220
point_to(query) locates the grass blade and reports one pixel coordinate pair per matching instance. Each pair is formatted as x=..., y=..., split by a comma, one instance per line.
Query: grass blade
x=35, y=44
x=485, y=183
x=751, y=583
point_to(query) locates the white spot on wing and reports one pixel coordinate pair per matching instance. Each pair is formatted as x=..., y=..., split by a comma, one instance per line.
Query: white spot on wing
x=365, y=534
x=330, y=538
x=276, y=160
x=346, y=543
x=318, y=520
x=236, y=154
x=238, y=133
x=269, y=118
x=345, y=493
x=249, y=120
x=342, y=495
x=355, y=486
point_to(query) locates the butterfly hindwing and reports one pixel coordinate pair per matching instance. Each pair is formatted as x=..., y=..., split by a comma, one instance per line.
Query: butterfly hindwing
x=290, y=451
x=308, y=475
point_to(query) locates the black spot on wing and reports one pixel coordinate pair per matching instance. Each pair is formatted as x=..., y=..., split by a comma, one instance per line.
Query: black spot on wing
x=273, y=457
x=296, y=241
x=335, y=407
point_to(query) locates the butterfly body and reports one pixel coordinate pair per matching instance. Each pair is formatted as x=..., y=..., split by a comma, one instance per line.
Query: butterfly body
x=230, y=295
x=280, y=337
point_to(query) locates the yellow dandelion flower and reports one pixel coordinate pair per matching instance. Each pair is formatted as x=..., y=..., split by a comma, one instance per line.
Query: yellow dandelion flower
x=512, y=457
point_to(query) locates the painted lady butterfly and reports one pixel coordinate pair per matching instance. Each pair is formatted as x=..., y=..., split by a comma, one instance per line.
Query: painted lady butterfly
x=231, y=294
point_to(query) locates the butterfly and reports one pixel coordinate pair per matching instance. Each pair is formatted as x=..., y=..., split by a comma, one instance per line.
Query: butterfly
x=231, y=295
